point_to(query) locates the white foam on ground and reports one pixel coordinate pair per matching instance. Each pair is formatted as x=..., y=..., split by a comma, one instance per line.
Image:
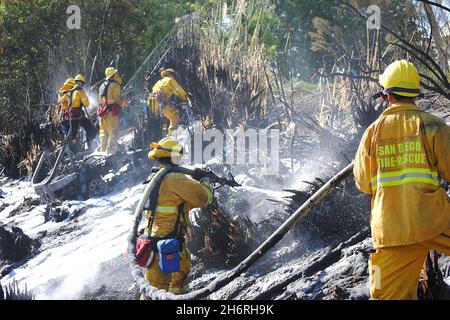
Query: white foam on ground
x=69, y=261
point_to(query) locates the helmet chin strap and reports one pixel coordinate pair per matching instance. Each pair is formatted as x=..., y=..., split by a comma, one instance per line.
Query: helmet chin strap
x=377, y=95
x=384, y=102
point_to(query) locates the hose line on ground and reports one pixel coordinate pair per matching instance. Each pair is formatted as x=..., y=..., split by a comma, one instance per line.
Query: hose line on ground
x=157, y=294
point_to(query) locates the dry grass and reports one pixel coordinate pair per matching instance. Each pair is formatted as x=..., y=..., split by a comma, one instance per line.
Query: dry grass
x=30, y=158
x=13, y=292
x=19, y=151
x=222, y=66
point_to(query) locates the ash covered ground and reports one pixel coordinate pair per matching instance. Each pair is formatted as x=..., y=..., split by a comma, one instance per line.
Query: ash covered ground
x=80, y=255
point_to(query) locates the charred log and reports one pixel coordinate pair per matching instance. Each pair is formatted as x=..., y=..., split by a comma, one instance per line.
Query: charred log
x=15, y=245
x=431, y=281
x=221, y=240
x=321, y=263
x=344, y=212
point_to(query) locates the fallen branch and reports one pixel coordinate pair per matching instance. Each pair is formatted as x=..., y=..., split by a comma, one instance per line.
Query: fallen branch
x=321, y=264
x=157, y=294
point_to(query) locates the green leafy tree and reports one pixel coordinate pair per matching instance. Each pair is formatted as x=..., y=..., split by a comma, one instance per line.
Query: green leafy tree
x=39, y=52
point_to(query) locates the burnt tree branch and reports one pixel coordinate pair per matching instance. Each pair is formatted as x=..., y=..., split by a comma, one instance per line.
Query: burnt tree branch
x=435, y=4
x=436, y=68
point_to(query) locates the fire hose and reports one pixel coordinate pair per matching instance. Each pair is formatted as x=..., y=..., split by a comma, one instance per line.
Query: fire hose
x=158, y=294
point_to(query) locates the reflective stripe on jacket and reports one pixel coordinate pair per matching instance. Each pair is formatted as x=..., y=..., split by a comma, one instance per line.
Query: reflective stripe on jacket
x=400, y=161
x=177, y=188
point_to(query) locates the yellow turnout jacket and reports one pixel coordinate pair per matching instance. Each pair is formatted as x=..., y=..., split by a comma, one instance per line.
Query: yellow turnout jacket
x=78, y=98
x=177, y=188
x=63, y=101
x=170, y=87
x=400, y=161
x=113, y=95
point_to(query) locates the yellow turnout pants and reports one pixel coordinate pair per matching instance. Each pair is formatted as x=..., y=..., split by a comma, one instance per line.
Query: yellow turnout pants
x=171, y=113
x=172, y=282
x=109, y=127
x=394, y=271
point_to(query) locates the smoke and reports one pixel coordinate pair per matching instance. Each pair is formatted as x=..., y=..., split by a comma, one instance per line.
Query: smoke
x=93, y=101
x=320, y=161
x=71, y=286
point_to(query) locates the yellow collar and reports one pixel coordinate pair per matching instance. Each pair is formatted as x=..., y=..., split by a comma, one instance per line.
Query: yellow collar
x=400, y=106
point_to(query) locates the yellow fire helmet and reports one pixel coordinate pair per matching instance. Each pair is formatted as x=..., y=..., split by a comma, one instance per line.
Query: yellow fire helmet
x=110, y=72
x=79, y=77
x=166, y=148
x=401, y=78
x=167, y=72
x=69, y=84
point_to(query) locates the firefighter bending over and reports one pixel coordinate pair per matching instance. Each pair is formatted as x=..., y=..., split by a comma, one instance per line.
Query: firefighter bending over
x=163, y=98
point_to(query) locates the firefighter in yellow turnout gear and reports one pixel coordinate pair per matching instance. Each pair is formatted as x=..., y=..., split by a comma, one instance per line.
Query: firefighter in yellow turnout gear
x=160, y=99
x=400, y=161
x=77, y=99
x=110, y=110
x=63, y=104
x=176, y=190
